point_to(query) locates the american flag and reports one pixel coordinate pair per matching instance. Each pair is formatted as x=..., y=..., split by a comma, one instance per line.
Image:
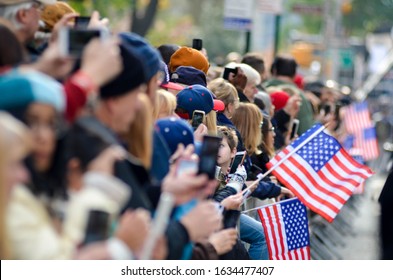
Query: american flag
x=358, y=123
x=286, y=229
x=319, y=172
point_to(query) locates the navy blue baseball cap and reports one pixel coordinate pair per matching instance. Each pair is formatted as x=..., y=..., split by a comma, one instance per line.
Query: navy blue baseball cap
x=175, y=131
x=189, y=75
x=197, y=97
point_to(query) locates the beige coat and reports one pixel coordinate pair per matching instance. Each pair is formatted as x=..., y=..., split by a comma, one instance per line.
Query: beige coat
x=32, y=232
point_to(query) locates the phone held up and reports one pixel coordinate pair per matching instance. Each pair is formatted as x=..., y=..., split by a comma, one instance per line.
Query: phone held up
x=73, y=41
x=197, y=44
x=227, y=70
x=82, y=22
x=198, y=117
x=208, y=156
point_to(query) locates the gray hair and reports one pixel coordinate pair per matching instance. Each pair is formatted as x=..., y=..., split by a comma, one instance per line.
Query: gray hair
x=10, y=13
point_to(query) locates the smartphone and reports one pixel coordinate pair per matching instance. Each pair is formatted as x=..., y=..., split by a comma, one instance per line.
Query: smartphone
x=197, y=44
x=208, y=156
x=186, y=165
x=82, y=22
x=227, y=70
x=295, y=127
x=236, y=161
x=198, y=117
x=97, y=228
x=231, y=218
x=73, y=41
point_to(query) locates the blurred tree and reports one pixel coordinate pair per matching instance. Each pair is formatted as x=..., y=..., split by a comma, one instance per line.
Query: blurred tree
x=143, y=14
x=366, y=16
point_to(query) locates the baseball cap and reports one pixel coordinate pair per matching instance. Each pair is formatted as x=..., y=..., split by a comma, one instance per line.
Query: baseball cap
x=186, y=56
x=189, y=75
x=166, y=83
x=175, y=131
x=197, y=97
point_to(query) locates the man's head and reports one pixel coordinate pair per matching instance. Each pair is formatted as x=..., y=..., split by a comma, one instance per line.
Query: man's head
x=151, y=60
x=24, y=16
x=284, y=66
x=119, y=97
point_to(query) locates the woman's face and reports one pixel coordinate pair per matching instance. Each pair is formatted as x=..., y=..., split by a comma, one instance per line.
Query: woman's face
x=250, y=91
x=225, y=154
x=270, y=136
x=43, y=124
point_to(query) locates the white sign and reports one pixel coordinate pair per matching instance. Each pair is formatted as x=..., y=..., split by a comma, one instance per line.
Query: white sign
x=270, y=6
x=238, y=14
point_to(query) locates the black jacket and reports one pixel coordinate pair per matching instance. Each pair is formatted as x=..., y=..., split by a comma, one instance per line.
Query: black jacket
x=386, y=201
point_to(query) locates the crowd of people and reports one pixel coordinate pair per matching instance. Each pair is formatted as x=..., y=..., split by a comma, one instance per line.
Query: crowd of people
x=89, y=144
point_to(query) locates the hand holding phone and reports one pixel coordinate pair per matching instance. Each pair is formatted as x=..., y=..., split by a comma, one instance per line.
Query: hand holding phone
x=227, y=70
x=81, y=22
x=73, y=41
x=186, y=166
x=236, y=161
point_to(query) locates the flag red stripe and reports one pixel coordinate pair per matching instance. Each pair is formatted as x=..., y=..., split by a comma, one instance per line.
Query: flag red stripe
x=279, y=228
x=274, y=233
x=313, y=181
x=300, y=183
x=316, y=209
x=331, y=169
x=352, y=166
x=344, y=188
x=264, y=221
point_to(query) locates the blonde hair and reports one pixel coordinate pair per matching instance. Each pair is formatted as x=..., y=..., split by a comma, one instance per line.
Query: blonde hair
x=211, y=122
x=224, y=91
x=165, y=104
x=247, y=119
x=15, y=142
x=139, y=136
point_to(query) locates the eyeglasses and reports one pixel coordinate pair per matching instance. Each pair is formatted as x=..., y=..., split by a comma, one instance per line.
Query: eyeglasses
x=271, y=129
x=38, y=5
